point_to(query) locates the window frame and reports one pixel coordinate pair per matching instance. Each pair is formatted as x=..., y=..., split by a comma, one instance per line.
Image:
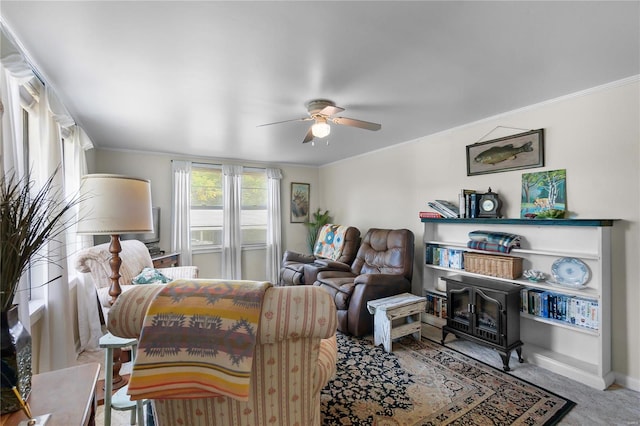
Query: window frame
x=208, y=248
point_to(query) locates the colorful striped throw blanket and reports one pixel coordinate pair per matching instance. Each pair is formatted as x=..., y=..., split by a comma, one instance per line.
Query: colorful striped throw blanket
x=493, y=241
x=197, y=340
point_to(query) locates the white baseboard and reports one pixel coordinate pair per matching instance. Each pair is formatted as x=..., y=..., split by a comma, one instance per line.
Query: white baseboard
x=628, y=382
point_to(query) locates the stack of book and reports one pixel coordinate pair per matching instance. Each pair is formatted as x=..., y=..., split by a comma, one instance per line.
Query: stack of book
x=445, y=208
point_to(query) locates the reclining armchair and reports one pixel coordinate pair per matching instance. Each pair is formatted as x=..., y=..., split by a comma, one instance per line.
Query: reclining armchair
x=383, y=267
x=334, y=243
x=295, y=356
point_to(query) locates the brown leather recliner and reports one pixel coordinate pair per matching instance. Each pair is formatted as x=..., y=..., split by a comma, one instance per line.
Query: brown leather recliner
x=383, y=267
x=337, y=243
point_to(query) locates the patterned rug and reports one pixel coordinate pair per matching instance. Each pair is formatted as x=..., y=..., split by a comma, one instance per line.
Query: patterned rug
x=425, y=383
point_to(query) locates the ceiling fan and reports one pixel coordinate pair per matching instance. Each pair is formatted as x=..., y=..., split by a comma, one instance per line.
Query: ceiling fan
x=321, y=111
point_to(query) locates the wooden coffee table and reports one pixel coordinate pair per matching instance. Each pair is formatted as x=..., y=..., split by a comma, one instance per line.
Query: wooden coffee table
x=68, y=395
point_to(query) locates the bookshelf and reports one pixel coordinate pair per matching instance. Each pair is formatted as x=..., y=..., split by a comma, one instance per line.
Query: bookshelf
x=581, y=353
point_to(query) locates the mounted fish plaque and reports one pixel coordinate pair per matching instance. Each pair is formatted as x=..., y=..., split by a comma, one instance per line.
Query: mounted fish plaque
x=520, y=151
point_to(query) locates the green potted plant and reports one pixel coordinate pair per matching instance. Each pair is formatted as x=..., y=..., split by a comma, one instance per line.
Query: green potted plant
x=319, y=219
x=28, y=220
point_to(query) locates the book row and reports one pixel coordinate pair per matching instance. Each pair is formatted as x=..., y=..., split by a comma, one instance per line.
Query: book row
x=468, y=200
x=436, y=305
x=446, y=257
x=571, y=309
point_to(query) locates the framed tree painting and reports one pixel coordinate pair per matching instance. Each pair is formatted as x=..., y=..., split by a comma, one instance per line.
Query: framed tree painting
x=543, y=191
x=299, y=202
x=521, y=151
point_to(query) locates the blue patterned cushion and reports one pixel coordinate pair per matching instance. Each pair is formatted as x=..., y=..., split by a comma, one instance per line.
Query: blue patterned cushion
x=149, y=276
x=330, y=241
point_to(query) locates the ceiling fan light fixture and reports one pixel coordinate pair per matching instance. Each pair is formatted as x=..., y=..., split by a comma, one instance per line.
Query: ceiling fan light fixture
x=321, y=128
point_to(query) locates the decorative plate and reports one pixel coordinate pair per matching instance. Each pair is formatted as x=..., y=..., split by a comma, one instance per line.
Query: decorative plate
x=570, y=271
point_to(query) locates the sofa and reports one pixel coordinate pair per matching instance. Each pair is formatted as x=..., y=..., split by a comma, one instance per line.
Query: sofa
x=294, y=358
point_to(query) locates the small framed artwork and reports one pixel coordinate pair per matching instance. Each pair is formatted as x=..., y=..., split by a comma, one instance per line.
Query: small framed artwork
x=299, y=202
x=520, y=151
x=543, y=191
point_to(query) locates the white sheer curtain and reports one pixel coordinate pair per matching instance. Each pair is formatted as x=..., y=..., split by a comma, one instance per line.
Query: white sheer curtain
x=232, y=233
x=57, y=349
x=76, y=142
x=49, y=280
x=180, y=210
x=274, y=225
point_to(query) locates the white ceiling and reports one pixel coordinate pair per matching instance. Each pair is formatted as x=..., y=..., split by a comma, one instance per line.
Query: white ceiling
x=197, y=78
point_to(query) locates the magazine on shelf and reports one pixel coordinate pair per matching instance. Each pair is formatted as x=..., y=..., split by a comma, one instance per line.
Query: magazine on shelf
x=441, y=210
x=451, y=208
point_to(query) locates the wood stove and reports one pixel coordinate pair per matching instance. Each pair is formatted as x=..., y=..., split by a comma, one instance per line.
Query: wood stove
x=485, y=311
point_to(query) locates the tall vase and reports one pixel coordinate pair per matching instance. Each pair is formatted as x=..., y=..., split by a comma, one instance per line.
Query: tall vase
x=15, y=346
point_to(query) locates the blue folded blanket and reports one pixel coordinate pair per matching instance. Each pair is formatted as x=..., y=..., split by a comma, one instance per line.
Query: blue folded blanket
x=500, y=238
x=487, y=246
x=493, y=241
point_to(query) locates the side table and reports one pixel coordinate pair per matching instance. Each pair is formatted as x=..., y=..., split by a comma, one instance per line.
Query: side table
x=396, y=316
x=166, y=260
x=68, y=395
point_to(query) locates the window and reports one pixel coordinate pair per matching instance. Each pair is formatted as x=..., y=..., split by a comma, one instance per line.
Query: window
x=32, y=157
x=207, y=206
x=253, y=218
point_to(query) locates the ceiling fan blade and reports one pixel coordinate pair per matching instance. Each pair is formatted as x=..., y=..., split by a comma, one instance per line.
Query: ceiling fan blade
x=356, y=123
x=330, y=110
x=286, y=121
x=308, y=137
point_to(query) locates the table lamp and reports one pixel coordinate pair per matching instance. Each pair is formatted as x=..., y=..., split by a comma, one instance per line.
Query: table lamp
x=114, y=205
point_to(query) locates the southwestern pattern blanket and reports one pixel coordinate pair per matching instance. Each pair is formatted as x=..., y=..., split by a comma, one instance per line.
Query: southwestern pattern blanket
x=197, y=340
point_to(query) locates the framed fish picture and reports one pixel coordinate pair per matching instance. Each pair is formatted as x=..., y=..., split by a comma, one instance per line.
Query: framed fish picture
x=520, y=151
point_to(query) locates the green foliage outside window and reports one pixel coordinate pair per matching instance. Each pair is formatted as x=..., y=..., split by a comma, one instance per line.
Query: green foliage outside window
x=207, y=202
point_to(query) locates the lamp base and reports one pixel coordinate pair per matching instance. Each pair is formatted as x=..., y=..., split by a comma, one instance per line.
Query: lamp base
x=36, y=421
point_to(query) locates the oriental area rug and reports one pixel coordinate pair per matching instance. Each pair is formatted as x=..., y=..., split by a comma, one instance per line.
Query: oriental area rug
x=425, y=383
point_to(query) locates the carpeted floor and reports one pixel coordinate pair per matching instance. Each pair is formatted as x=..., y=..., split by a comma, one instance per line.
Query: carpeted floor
x=424, y=383
x=615, y=406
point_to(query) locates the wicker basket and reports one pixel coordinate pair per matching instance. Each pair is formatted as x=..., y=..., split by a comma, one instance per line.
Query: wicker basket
x=493, y=265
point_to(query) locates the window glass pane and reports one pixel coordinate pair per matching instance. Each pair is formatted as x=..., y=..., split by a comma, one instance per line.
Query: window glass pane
x=206, y=206
x=253, y=218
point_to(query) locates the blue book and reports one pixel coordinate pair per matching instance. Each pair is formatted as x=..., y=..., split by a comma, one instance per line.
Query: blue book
x=473, y=205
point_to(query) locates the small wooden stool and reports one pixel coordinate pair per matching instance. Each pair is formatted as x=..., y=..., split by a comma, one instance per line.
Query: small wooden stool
x=395, y=317
x=120, y=400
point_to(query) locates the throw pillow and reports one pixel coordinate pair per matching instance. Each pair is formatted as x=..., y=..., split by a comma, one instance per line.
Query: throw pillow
x=149, y=276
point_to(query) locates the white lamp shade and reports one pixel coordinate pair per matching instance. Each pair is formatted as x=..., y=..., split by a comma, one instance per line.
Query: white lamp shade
x=321, y=129
x=114, y=204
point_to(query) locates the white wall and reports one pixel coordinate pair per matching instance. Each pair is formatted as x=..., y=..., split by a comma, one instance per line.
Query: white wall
x=157, y=168
x=594, y=135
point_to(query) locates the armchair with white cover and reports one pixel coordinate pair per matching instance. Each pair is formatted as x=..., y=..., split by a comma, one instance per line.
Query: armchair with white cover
x=94, y=276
